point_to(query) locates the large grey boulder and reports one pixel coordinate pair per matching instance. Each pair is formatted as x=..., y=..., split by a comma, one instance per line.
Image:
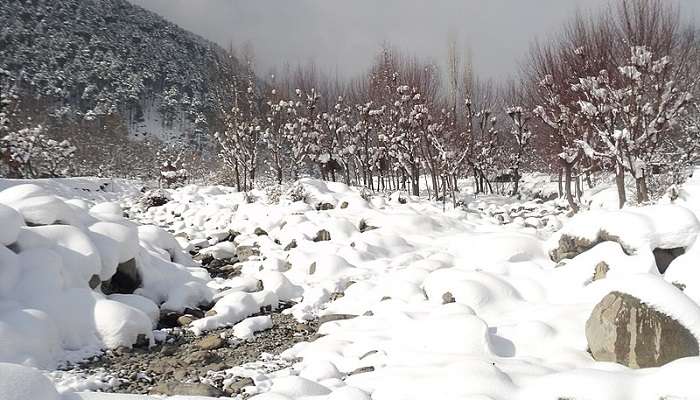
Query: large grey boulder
x=624, y=330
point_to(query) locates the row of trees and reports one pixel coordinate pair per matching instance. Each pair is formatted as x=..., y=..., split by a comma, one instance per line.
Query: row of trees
x=614, y=93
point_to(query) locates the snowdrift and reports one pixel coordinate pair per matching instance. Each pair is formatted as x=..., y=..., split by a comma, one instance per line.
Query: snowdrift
x=57, y=255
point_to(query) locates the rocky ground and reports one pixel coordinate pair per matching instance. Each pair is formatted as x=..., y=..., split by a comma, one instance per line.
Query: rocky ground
x=185, y=364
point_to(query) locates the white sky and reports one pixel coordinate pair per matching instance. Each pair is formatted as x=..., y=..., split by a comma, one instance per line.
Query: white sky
x=341, y=36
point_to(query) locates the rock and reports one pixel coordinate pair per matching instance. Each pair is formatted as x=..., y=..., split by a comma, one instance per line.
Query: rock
x=344, y=205
x=196, y=313
x=312, y=268
x=322, y=236
x=679, y=285
x=624, y=330
x=601, y=271
x=324, y=206
x=571, y=246
x=201, y=358
x=211, y=343
x=237, y=387
x=243, y=253
x=364, y=227
x=447, y=298
x=155, y=198
x=369, y=353
x=334, y=317
x=663, y=257
x=125, y=281
x=95, y=281
x=187, y=389
x=291, y=245
x=362, y=370
x=168, y=349
x=203, y=258
x=169, y=319
x=210, y=313
x=260, y=232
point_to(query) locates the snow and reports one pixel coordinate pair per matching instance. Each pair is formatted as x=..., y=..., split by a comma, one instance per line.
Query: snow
x=247, y=328
x=118, y=324
x=51, y=252
x=11, y=222
x=638, y=228
x=22, y=383
x=514, y=331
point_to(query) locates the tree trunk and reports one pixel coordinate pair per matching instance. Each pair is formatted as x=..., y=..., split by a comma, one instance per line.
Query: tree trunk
x=415, y=180
x=238, y=179
x=560, y=182
x=516, y=183
x=642, y=190
x=620, y=183
x=567, y=187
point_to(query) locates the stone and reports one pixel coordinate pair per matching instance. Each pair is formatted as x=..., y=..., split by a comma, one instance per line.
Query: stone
x=211, y=342
x=243, y=253
x=664, y=257
x=260, y=232
x=187, y=389
x=291, y=245
x=125, y=281
x=334, y=317
x=95, y=281
x=168, y=349
x=322, y=236
x=324, y=206
x=447, y=298
x=364, y=226
x=169, y=319
x=571, y=246
x=210, y=313
x=344, y=205
x=237, y=387
x=601, y=271
x=185, y=320
x=624, y=330
x=362, y=370
x=201, y=358
x=155, y=198
x=194, y=312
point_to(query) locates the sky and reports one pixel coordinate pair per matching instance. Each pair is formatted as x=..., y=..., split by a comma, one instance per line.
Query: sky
x=342, y=36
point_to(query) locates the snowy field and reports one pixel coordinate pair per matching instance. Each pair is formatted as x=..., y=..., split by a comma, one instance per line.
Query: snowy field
x=480, y=302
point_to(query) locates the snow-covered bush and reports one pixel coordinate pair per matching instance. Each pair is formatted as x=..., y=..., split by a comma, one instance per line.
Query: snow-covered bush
x=29, y=153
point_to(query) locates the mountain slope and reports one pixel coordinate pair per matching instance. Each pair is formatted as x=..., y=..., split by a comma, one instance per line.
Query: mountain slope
x=87, y=59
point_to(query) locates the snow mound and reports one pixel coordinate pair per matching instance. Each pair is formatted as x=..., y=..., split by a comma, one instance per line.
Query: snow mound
x=23, y=383
x=636, y=229
x=54, y=255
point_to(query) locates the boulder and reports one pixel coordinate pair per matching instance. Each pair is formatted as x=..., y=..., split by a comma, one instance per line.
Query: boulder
x=187, y=389
x=212, y=342
x=243, y=253
x=624, y=330
x=322, y=236
x=601, y=271
x=570, y=246
x=664, y=257
x=125, y=281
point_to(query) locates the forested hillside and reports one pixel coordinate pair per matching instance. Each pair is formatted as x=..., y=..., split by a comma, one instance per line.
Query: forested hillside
x=87, y=60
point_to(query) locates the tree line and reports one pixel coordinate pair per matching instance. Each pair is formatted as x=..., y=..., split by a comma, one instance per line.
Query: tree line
x=614, y=92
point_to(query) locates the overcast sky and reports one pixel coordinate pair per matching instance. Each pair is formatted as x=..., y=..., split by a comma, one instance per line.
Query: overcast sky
x=341, y=36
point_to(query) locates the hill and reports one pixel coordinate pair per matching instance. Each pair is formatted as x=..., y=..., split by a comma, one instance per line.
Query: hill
x=89, y=60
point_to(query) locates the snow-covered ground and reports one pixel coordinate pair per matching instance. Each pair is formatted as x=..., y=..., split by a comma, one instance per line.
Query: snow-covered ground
x=420, y=302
